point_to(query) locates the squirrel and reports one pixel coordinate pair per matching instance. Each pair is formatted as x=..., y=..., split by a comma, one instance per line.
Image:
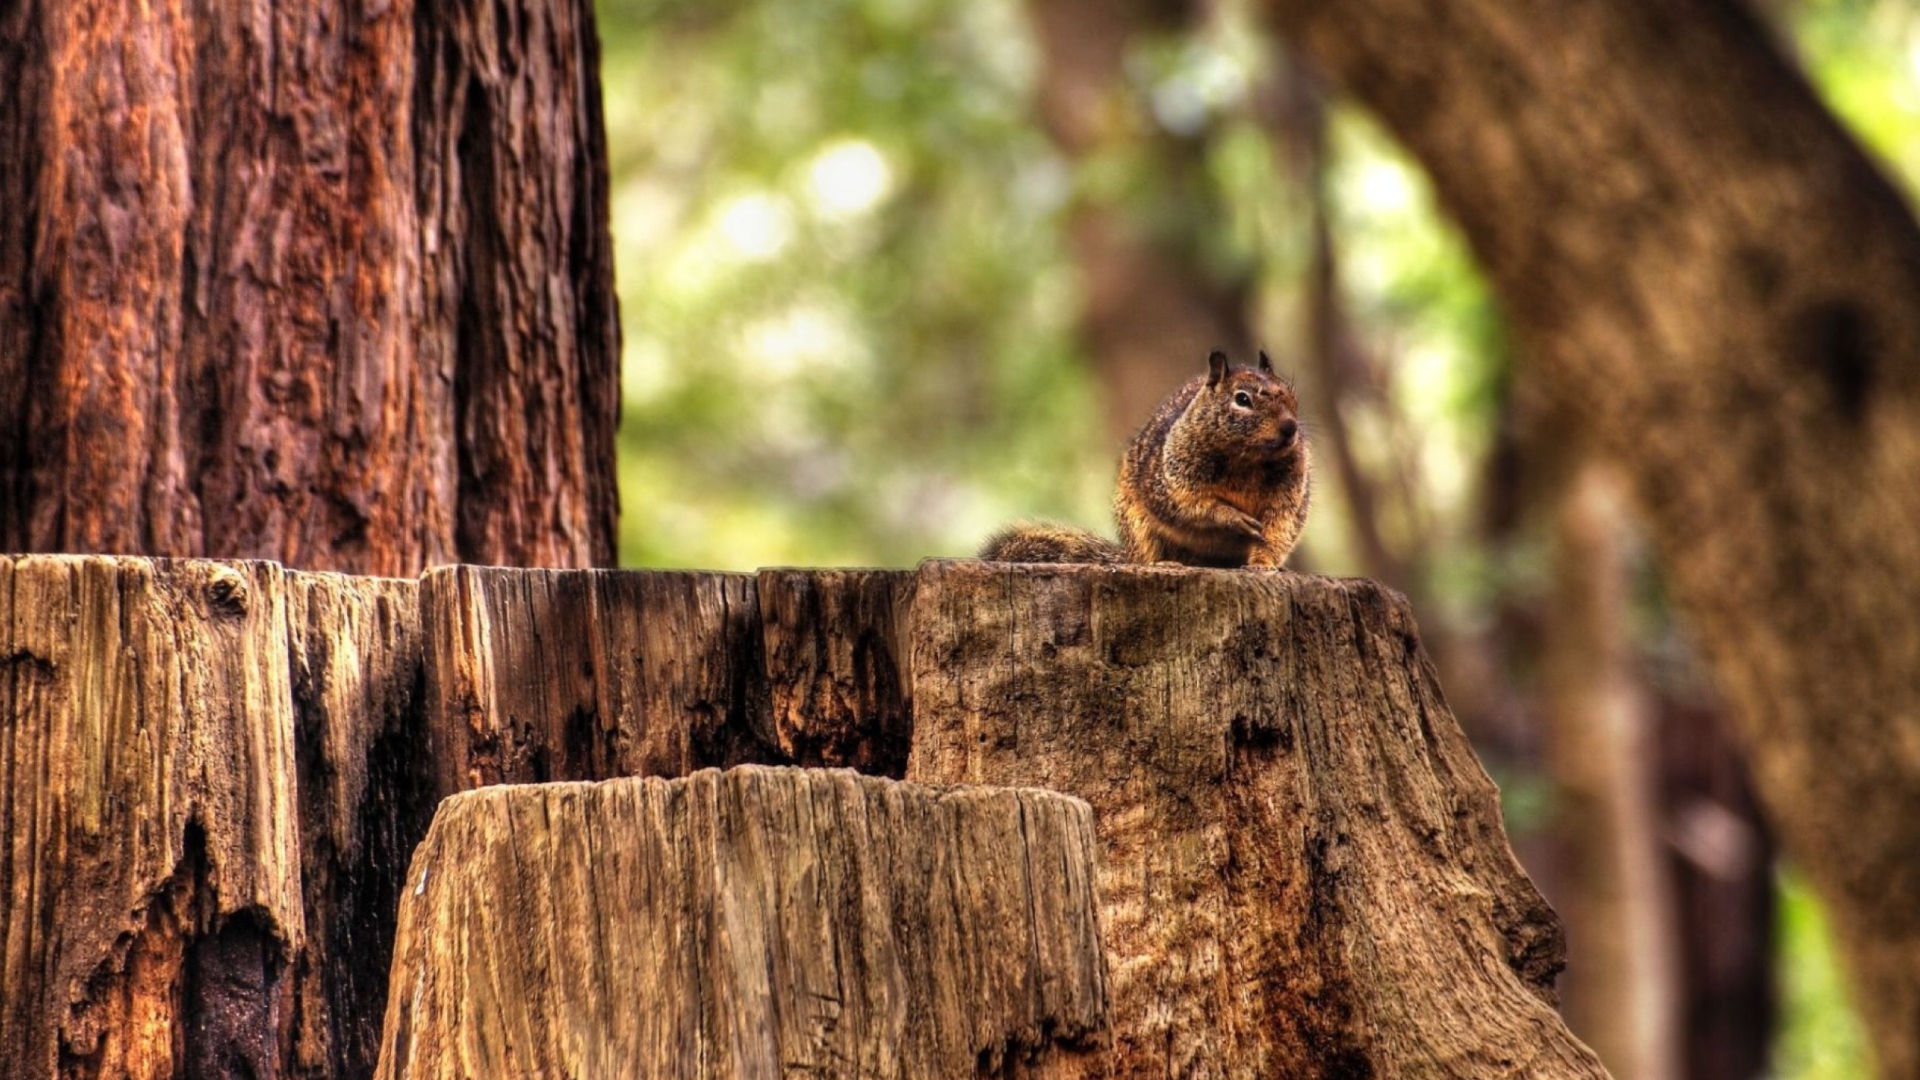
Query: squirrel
x=1219, y=476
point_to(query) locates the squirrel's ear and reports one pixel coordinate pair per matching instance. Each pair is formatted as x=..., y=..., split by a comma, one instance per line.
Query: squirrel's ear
x=1216, y=368
x=1266, y=365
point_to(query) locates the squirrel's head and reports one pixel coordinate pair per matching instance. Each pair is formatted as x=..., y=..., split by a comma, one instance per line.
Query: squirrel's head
x=1249, y=408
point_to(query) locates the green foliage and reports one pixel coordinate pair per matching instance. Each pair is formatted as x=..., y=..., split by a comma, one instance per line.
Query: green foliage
x=1423, y=311
x=1864, y=56
x=847, y=309
x=845, y=304
x=1820, y=1038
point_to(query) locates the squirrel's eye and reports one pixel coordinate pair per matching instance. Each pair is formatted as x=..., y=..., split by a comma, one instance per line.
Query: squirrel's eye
x=1243, y=399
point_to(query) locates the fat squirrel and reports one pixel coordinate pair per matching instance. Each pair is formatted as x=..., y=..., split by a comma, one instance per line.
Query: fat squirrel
x=1218, y=477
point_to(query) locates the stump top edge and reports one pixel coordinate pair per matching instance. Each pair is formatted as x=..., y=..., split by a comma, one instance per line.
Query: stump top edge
x=161, y=564
x=1364, y=589
x=744, y=775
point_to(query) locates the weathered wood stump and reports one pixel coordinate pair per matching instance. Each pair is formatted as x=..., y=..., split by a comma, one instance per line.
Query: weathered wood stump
x=1303, y=867
x=215, y=777
x=215, y=773
x=150, y=882
x=833, y=651
x=360, y=748
x=541, y=675
x=757, y=923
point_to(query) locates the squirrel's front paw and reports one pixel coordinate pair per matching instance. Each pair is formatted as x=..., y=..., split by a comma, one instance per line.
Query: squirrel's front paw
x=1262, y=557
x=1250, y=527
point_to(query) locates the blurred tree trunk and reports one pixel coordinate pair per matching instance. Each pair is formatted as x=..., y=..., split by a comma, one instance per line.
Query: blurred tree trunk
x=1691, y=807
x=1621, y=994
x=1708, y=270
x=1721, y=863
x=1295, y=111
x=309, y=281
x=1154, y=305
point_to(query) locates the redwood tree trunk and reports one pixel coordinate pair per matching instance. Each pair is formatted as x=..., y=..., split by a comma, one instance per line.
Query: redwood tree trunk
x=1707, y=268
x=312, y=281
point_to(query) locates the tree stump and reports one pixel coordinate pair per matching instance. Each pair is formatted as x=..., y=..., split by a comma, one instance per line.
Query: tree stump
x=541, y=675
x=754, y=923
x=832, y=653
x=150, y=884
x=1303, y=869
x=365, y=800
x=214, y=774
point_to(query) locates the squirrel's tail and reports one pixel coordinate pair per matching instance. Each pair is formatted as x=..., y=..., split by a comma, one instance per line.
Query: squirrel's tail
x=1043, y=543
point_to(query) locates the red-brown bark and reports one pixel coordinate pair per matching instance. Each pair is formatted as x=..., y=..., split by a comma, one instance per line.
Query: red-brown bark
x=317, y=282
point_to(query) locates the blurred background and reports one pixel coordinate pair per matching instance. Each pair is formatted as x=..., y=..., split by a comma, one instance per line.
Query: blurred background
x=896, y=272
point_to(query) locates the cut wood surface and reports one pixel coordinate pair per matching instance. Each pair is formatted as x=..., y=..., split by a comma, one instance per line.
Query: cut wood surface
x=1303, y=867
x=150, y=873
x=757, y=923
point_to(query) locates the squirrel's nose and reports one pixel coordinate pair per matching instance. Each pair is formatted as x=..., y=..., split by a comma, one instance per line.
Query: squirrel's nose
x=1288, y=429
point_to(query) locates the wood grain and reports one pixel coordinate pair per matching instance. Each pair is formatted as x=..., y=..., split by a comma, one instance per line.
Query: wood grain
x=364, y=795
x=540, y=675
x=1303, y=868
x=832, y=653
x=753, y=923
x=214, y=773
x=151, y=871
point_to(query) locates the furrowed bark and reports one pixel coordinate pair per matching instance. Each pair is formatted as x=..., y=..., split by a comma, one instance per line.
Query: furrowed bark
x=318, y=282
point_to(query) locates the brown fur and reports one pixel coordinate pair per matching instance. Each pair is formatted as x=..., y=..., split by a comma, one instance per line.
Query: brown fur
x=1207, y=481
x=1047, y=543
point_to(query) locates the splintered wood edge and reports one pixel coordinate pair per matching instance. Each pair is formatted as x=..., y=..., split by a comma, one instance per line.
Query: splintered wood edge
x=152, y=763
